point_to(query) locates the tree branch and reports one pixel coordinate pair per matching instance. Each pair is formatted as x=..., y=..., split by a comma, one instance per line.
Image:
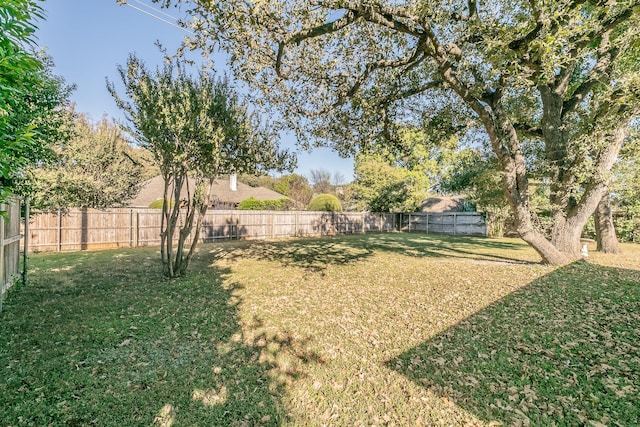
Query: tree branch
x=330, y=27
x=415, y=58
x=528, y=130
x=411, y=92
x=399, y=12
x=600, y=70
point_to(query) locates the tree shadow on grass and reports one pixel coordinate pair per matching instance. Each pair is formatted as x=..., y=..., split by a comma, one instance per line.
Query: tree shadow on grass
x=311, y=254
x=316, y=254
x=116, y=344
x=445, y=246
x=565, y=350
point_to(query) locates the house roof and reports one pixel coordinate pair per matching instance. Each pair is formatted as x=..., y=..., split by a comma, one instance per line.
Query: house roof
x=152, y=190
x=443, y=204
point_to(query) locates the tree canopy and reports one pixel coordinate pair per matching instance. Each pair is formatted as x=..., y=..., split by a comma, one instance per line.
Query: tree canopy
x=96, y=168
x=383, y=187
x=197, y=129
x=555, y=82
x=30, y=96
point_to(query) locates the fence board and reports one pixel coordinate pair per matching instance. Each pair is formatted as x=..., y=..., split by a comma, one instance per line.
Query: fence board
x=9, y=245
x=454, y=223
x=90, y=229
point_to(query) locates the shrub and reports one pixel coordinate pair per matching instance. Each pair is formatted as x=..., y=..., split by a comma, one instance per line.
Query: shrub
x=325, y=202
x=253, y=204
x=276, y=205
x=157, y=204
x=250, y=204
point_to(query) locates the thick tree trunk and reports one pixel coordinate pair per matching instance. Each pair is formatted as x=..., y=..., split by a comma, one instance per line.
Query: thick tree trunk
x=569, y=223
x=566, y=237
x=571, y=215
x=606, y=238
x=506, y=145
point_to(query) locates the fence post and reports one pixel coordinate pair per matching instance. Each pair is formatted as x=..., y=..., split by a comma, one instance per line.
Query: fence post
x=59, y=231
x=236, y=224
x=455, y=224
x=295, y=224
x=2, y=266
x=136, y=240
x=272, y=231
x=25, y=242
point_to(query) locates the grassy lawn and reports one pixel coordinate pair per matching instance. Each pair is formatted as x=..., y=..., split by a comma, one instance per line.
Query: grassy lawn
x=383, y=329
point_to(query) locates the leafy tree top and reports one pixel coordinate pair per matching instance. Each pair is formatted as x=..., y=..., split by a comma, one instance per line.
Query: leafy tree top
x=374, y=64
x=196, y=123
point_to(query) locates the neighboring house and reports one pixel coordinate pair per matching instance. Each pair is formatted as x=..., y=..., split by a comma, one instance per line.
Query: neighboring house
x=226, y=193
x=443, y=204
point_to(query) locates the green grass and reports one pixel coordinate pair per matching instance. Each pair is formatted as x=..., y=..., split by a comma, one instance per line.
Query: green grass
x=385, y=329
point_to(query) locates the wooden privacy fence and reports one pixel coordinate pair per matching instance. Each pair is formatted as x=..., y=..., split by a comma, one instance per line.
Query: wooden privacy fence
x=90, y=229
x=453, y=223
x=9, y=245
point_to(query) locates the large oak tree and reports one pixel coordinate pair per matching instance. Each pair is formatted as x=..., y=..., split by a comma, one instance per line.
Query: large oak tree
x=553, y=76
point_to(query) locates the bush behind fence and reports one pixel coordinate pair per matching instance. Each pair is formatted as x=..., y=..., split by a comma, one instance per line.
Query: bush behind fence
x=91, y=229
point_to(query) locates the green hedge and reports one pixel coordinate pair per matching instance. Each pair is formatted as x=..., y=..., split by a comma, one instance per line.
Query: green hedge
x=253, y=204
x=325, y=202
x=157, y=204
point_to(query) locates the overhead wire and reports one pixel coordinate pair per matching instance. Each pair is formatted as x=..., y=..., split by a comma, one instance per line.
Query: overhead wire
x=155, y=9
x=173, y=24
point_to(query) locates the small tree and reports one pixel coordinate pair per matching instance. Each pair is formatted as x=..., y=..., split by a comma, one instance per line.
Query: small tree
x=295, y=187
x=197, y=129
x=321, y=181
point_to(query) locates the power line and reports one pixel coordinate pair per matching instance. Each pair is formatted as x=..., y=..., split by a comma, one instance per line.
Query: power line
x=155, y=9
x=173, y=24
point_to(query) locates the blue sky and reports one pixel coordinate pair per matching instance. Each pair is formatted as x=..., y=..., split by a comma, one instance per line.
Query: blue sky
x=87, y=39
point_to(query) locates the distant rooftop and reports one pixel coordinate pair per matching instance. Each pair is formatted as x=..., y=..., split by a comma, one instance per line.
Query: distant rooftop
x=443, y=204
x=222, y=193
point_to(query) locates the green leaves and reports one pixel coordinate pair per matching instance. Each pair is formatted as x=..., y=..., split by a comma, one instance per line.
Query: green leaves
x=30, y=96
x=96, y=168
x=325, y=202
x=195, y=122
x=197, y=129
x=382, y=187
